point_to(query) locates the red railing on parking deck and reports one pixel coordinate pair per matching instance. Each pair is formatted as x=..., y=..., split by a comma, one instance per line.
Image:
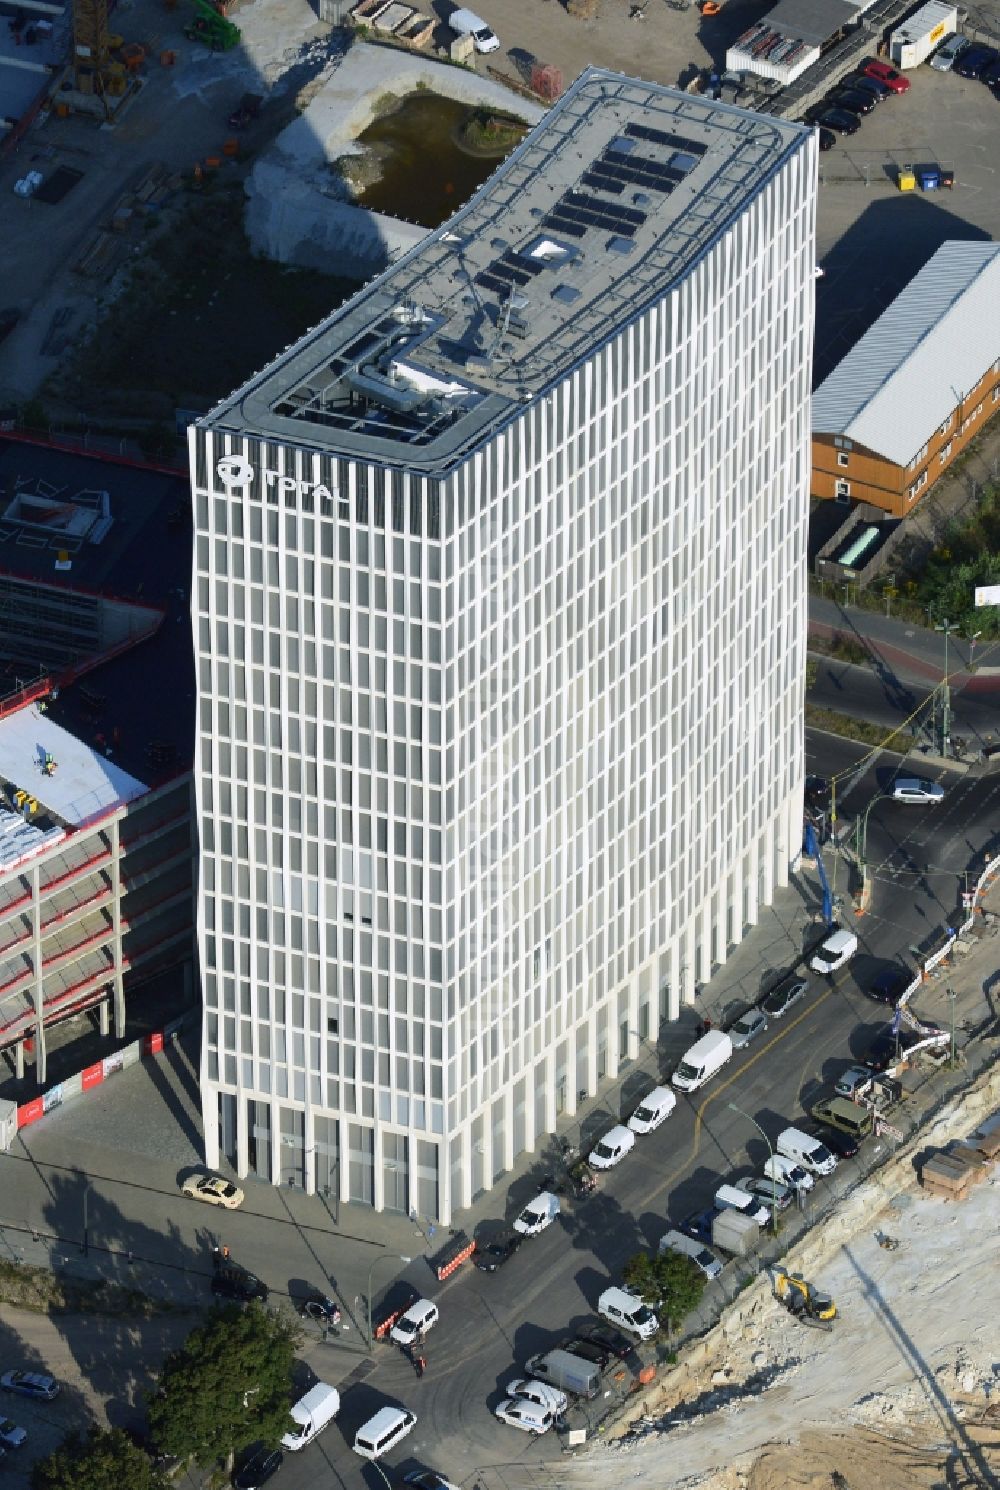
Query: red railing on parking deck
x=26, y=694
x=76, y=992
x=61, y=879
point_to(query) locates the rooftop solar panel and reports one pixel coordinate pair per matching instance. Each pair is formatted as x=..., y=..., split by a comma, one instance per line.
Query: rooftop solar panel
x=600, y=180
x=661, y=137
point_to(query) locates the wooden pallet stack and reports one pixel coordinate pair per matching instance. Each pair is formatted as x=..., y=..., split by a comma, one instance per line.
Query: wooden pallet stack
x=951, y=1172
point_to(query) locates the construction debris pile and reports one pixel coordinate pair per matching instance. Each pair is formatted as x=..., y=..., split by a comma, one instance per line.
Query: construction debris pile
x=950, y=1172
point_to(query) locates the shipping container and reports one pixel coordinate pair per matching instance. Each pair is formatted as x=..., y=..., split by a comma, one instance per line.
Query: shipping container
x=913, y=42
x=735, y=1233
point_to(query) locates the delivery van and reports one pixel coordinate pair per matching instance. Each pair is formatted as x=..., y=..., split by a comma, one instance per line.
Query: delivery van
x=311, y=1414
x=570, y=1373
x=727, y=1197
x=467, y=23
x=847, y=1116
x=805, y=1150
x=706, y=1056
x=382, y=1432
x=627, y=1312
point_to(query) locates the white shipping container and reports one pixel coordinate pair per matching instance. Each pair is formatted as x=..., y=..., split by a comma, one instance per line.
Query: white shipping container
x=918, y=36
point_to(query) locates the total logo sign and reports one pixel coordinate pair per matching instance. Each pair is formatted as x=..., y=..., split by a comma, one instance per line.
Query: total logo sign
x=236, y=473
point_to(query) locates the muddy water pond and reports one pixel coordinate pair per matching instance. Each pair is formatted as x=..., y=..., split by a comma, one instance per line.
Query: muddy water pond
x=428, y=156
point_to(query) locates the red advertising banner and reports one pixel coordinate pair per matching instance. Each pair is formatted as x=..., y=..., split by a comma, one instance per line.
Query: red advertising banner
x=92, y=1076
x=30, y=1112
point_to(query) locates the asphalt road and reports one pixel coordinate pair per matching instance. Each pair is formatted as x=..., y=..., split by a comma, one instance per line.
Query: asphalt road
x=884, y=699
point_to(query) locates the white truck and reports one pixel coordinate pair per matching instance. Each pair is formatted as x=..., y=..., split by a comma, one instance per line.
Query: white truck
x=916, y=38
x=311, y=1414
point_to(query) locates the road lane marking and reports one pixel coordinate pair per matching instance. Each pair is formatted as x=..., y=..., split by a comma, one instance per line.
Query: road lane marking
x=680, y=1169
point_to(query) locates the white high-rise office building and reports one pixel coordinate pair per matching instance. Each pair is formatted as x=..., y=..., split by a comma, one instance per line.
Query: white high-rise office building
x=499, y=603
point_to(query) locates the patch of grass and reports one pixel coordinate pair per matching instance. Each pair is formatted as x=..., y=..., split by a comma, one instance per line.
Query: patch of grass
x=43, y=1292
x=489, y=133
x=857, y=729
x=844, y=648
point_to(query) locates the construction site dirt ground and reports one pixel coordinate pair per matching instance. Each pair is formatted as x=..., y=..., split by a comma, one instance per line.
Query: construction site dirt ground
x=179, y=119
x=903, y=1394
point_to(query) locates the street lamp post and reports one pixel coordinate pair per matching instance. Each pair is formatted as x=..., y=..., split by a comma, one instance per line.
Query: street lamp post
x=861, y=833
x=383, y=1257
x=770, y=1154
x=947, y=627
x=951, y=999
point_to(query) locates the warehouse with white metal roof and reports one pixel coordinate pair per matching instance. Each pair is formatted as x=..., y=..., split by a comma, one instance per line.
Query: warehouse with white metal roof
x=921, y=382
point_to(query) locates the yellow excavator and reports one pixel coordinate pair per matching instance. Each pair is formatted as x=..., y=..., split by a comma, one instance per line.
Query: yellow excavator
x=805, y=1302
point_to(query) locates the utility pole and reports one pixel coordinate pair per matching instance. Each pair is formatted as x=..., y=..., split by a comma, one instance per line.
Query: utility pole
x=947, y=627
x=951, y=1000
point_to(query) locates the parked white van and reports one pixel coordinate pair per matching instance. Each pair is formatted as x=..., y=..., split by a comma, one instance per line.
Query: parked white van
x=703, y=1257
x=805, y=1150
x=537, y=1214
x=706, y=1056
x=727, y=1197
x=787, y=1172
x=382, y=1432
x=467, y=23
x=654, y=1109
x=628, y=1312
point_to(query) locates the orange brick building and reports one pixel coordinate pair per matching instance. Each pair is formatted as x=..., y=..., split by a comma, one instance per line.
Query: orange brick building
x=920, y=384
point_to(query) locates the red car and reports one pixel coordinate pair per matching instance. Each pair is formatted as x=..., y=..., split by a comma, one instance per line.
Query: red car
x=883, y=73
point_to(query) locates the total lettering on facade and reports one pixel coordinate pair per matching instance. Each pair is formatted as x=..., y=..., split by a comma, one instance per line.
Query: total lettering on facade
x=236, y=473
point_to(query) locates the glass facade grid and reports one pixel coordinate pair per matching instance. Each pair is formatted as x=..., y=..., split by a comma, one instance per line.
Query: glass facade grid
x=491, y=775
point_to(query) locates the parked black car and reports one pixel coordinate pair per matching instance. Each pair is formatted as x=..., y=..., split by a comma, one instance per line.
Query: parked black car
x=587, y=1351
x=258, y=1469
x=854, y=99
x=890, y=984
x=841, y=121
x=603, y=1335
x=975, y=60
x=817, y=787
x=827, y=139
x=887, y=1048
x=840, y=1144
x=492, y=1252
x=879, y=91
x=699, y=1225
x=230, y=1281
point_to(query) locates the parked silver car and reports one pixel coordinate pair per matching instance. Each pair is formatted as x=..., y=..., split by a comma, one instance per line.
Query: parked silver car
x=747, y=1028
x=948, y=52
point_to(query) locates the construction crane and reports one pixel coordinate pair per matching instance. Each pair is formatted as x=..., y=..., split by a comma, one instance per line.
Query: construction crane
x=811, y=845
x=805, y=1302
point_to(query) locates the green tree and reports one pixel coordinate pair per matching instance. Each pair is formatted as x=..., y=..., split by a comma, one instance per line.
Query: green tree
x=227, y=1386
x=99, y=1460
x=668, y=1281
